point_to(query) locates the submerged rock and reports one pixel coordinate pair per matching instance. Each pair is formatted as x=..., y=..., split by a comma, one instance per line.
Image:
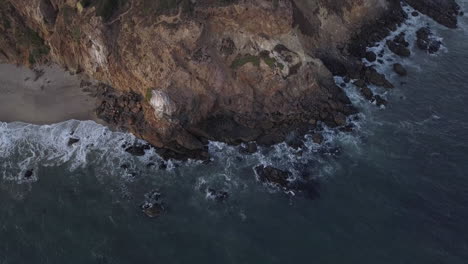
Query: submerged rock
x=399, y=69
x=153, y=210
x=153, y=206
x=284, y=180
x=219, y=196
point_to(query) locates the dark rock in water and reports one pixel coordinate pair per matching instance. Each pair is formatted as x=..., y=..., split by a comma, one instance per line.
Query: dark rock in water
x=367, y=93
x=415, y=13
x=272, y=175
x=346, y=79
x=379, y=101
x=153, y=207
x=317, y=138
x=375, y=78
x=425, y=41
x=401, y=40
x=137, y=150
x=360, y=83
x=434, y=46
x=280, y=178
x=443, y=11
x=295, y=142
x=347, y=128
x=152, y=210
x=371, y=56
x=398, y=49
x=219, y=196
x=163, y=166
x=250, y=148
x=72, y=141
x=399, y=69
x=124, y=166
x=28, y=174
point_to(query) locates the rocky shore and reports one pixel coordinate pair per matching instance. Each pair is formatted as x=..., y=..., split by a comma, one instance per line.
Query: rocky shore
x=181, y=74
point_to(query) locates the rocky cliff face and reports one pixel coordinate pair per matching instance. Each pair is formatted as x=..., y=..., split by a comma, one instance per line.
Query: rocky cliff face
x=183, y=72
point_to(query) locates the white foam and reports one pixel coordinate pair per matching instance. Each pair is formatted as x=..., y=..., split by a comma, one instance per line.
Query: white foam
x=25, y=147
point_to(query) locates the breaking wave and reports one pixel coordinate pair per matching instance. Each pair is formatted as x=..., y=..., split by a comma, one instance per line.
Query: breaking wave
x=25, y=148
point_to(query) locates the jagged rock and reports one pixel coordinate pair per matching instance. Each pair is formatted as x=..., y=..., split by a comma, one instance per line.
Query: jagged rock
x=376, y=78
x=173, y=79
x=425, y=41
x=399, y=69
x=444, y=12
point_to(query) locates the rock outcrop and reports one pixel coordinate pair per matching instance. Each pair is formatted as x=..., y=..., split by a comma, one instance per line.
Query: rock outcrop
x=184, y=72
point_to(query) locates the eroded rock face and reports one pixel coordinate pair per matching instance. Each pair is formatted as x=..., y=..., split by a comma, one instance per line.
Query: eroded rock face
x=235, y=71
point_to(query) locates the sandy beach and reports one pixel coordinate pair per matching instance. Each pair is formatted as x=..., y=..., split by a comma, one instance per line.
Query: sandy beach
x=45, y=95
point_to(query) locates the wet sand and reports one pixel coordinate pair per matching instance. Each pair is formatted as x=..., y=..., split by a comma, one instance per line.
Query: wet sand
x=44, y=96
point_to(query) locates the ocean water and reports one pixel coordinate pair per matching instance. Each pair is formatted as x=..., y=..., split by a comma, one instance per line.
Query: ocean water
x=397, y=193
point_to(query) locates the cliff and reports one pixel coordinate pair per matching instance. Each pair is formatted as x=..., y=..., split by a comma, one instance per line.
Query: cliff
x=181, y=72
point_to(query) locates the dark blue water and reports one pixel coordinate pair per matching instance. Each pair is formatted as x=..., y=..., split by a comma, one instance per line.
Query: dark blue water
x=397, y=194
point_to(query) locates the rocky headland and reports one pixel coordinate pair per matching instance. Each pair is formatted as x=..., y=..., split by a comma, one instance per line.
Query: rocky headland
x=180, y=73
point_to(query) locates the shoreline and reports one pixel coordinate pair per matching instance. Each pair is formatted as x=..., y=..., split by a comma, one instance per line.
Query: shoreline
x=44, y=95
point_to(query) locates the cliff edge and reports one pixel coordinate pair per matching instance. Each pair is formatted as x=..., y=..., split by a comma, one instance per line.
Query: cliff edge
x=179, y=73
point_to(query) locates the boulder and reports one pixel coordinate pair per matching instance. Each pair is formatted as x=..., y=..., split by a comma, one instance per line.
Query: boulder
x=398, y=49
x=425, y=41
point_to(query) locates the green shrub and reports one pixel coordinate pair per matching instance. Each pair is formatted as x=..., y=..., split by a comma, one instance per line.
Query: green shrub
x=148, y=94
x=241, y=61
